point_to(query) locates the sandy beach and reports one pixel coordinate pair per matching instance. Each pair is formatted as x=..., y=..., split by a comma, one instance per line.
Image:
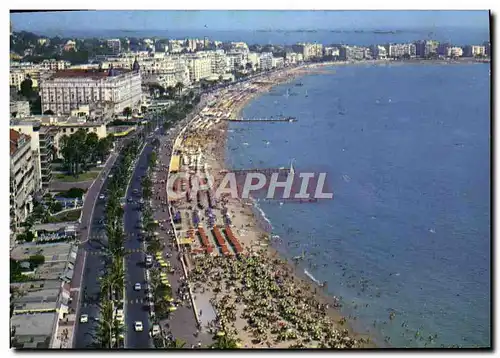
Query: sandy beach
x=259, y=298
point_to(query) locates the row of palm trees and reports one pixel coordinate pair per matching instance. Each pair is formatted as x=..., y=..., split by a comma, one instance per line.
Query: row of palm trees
x=110, y=330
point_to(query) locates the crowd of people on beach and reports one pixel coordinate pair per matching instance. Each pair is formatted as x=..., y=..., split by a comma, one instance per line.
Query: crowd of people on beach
x=277, y=310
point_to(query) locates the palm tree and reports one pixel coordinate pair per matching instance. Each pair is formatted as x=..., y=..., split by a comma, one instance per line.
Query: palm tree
x=224, y=342
x=127, y=111
x=175, y=344
x=179, y=86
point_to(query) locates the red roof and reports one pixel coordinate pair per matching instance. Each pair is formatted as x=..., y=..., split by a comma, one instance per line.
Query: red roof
x=14, y=140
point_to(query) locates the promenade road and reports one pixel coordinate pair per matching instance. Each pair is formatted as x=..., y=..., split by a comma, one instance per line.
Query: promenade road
x=136, y=304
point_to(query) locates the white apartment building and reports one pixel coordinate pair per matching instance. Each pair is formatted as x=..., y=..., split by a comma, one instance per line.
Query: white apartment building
x=478, y=50
x=266, y=60
x=167, y=70
x=254, y=58
x=332, y=51
x=19, y=71
x=378, y=52
x=235, y=60
x=455, y=52
x=310, y=50
x=31, y=129
x=54, y=65
x=16, y=77
x=199, y=67
x=278, y=62
x=218, y=62
x=20, y=108
x=114, y=89
x=400, y=50
x=22, y=173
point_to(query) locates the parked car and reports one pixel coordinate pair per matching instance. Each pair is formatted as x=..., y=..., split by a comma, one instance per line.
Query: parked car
x=84, y=318
x=138, y=327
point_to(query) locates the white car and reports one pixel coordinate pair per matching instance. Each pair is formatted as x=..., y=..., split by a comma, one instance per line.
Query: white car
x=138, y=326
x=84, y=318
x=137, y=286
x=101, y=197
x=149, y=259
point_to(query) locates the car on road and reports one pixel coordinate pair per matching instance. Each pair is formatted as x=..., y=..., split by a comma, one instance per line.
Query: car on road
x=130, y=199
x=138, y=327
x=84, y=318
x=110, y=176
x=149, y=260
x=102, y=197
x=137, y=286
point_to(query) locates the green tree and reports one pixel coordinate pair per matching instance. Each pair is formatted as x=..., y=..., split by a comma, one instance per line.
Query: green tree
x=27, y=87
x=179, y=86
x=36, y=260
x=175, y=344
x=127, y=111
x=92, y=142
x=224, y=342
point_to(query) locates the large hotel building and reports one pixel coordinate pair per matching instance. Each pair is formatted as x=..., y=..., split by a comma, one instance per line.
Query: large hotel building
x=70, y=89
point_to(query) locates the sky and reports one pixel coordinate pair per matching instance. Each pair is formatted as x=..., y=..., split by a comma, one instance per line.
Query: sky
x=246, y=20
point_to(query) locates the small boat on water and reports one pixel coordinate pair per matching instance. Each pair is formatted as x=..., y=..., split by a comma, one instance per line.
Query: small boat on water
x=300, y=84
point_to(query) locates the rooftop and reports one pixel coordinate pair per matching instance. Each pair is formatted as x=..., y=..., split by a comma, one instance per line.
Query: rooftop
x=85, y=73
x=16, y=140
x=37, y=300
x=32, y=330
x=59, y=259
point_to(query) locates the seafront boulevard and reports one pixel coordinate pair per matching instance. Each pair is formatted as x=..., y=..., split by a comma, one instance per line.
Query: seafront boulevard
x=241, y=289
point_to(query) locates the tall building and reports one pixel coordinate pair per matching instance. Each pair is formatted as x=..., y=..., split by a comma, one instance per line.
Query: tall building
x=444, y=49
x=379, y=52
x=114, y=46
x=474, y=51
x=331, y=51
x=67, y=90
x=351, y=53
x=420, y=48
x=455, y=51
x=22, y=175
x=199, y=67
x=402, y=50
x=310, y=51
x=42, y=145
x=253, y=58
x=218, y=62
x=266, y=60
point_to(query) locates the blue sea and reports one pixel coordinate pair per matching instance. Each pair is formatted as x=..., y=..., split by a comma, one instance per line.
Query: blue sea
x=406, y=149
